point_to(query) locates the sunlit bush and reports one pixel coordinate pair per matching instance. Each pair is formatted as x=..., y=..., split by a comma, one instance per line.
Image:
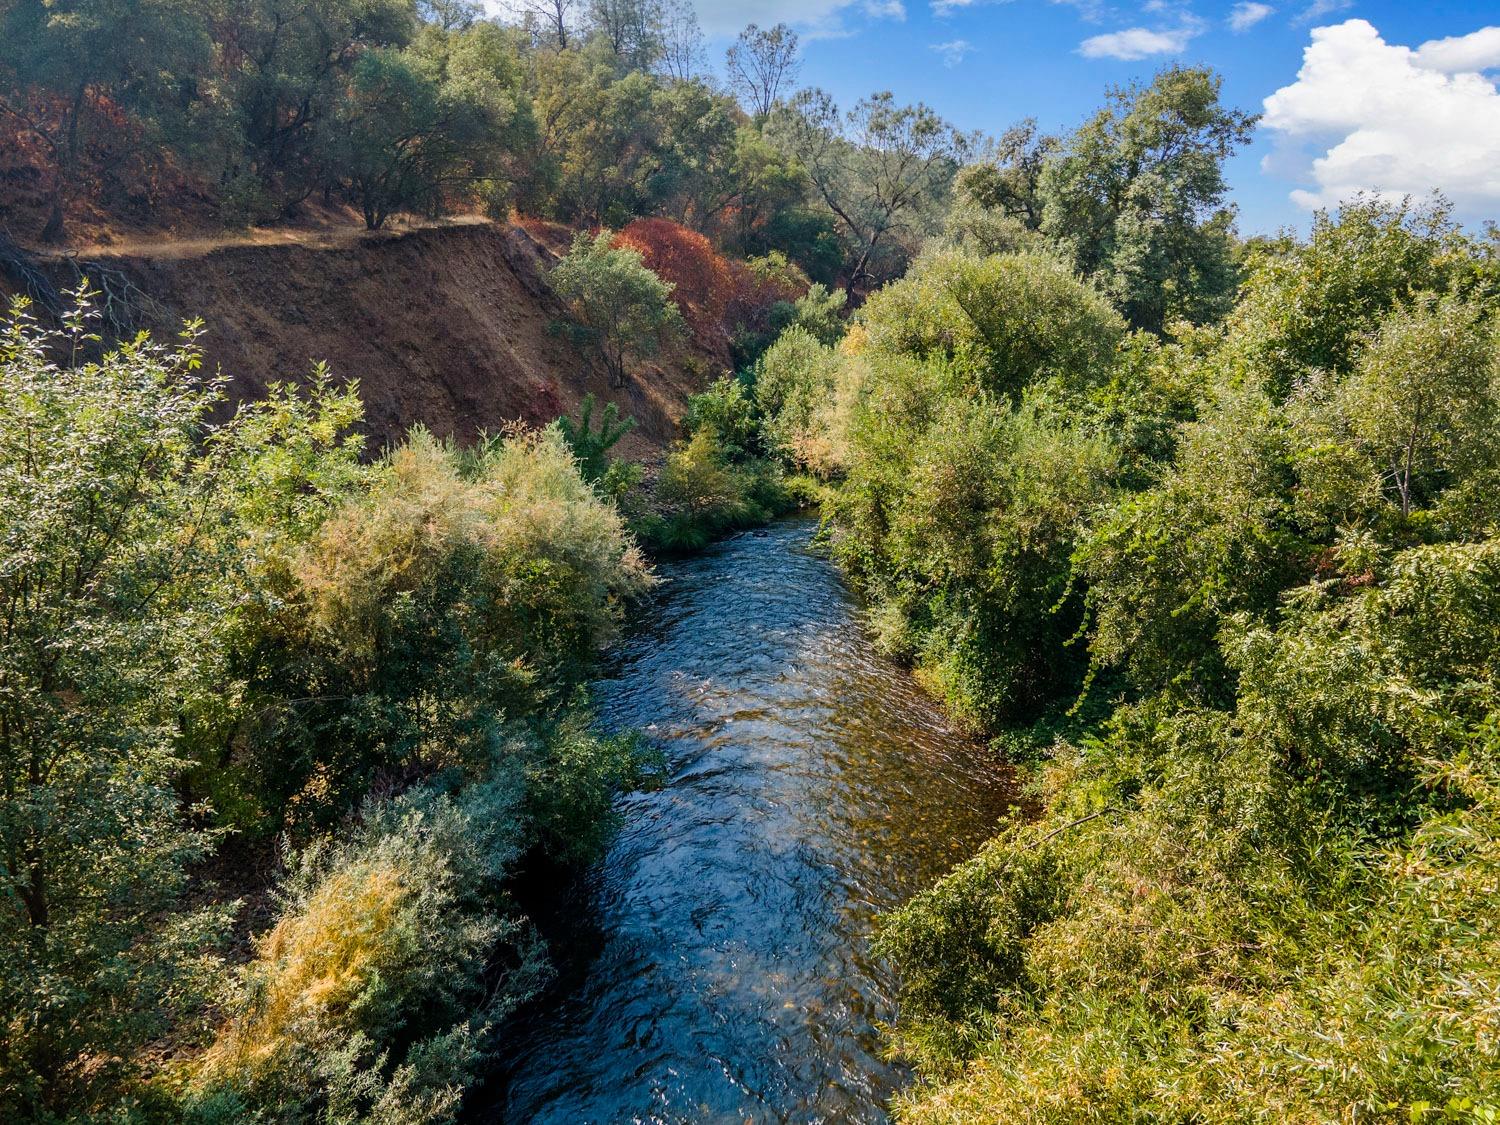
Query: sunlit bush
x=461, y=592
x=371, y=990
x=1004, y=321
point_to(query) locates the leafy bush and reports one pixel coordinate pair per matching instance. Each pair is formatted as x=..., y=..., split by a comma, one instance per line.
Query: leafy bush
x=727, y=408
x=1217, y=915
x=964, y=425
x=618, y=306
x=701, y=494
x=592, y=449
x=370, y=995
x=807, y=393
x=1005, y=321
x=817, y=312
x=447, y=600
x=244, y=626
x=1256, y=888
x=113, y=575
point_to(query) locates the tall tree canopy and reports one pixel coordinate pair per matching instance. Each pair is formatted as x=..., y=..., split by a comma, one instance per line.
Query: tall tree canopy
x=880, y=168
x=1136, y=198
x=762, y=65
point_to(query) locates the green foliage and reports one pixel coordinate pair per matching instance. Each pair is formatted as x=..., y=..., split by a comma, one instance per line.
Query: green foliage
x=966, y=424
x=817, y=312
x=408, y=134
x=702, y=493
x=727, y=408
x=242, y=625
x=1004, y=321
x=369, y=999
x=959, y=526
x=614, y=478
x=618, y=305
x=71, y=69
x=1258, y=885
x=429, y=612
x=286, y=81
x=1218, y=916
x=879, y=170
x=806, y=393
x=1409, y=420
x=111, y=576
x=1307, y=307
x=1135, y=199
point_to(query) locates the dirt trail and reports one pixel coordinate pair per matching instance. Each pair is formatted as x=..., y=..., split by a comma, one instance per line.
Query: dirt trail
x=318, y=238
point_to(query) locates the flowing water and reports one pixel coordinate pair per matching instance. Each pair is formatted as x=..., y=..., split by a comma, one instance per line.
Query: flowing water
x=720, y=969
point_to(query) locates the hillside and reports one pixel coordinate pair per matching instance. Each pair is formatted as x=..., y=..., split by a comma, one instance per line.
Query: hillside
x=446, y=326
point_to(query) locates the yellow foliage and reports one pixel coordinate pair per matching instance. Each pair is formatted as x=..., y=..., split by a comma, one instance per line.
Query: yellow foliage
x=527, y=508
x=313, y=966
x=855, y=340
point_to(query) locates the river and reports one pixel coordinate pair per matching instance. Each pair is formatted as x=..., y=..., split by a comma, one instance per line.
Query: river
x=717, y=965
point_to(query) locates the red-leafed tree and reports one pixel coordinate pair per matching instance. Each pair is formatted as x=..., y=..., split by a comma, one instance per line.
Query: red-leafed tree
x=703, y=282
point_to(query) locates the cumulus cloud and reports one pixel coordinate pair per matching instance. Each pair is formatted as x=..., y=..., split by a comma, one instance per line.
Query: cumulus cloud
x=1391, y=120
x=953, y=51
x=1479, y=50
x=1137, y=43
x=1247, y=15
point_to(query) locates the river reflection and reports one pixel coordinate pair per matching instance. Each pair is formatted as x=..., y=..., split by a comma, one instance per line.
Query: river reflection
x=723, y=972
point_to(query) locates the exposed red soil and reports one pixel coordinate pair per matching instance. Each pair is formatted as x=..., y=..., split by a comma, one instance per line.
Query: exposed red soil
x=447, y=326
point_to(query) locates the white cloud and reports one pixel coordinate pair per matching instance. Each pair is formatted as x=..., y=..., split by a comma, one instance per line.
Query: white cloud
x=1137, y=43
x=1391, y=120
x=1479, y=50
x=1320, y=8
x=953, y=51
x=886, y=9
x=1247, y=15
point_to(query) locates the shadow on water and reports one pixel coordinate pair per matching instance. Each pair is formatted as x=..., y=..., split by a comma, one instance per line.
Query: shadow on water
x=716, y=967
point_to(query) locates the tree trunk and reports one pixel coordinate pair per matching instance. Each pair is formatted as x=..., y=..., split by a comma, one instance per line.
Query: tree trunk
x=53, y=231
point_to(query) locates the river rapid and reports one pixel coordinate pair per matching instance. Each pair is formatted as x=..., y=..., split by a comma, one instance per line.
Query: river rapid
x=716, y=964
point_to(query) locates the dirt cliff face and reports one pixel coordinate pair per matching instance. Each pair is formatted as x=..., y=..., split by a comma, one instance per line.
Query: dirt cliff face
x=446, y=326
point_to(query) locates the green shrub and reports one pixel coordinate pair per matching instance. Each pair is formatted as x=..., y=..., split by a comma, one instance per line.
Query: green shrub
x=114, y=574
x=1220, y=916
x=727, y=408
x=1257, y=886
x=701, y=494
x=371, y=994
x=592, y=449
x=1005, y=321
x=449, y=599
x=618, y=306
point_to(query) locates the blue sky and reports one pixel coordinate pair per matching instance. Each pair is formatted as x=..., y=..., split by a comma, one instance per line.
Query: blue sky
x=1375, y=108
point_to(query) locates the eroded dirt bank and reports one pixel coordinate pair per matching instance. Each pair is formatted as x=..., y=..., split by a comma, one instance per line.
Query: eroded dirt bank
x=446, y=326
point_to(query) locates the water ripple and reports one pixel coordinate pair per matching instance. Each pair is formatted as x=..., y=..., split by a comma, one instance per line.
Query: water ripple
x=811, y=785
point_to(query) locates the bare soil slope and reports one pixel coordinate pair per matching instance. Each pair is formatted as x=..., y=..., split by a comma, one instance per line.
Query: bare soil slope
x=446, y=326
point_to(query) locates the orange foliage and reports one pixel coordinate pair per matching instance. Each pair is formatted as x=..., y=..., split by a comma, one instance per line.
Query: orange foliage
x=713, y=292
x=704, y=283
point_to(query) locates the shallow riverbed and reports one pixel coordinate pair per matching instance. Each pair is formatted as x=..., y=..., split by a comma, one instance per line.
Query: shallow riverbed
x=719, y=967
